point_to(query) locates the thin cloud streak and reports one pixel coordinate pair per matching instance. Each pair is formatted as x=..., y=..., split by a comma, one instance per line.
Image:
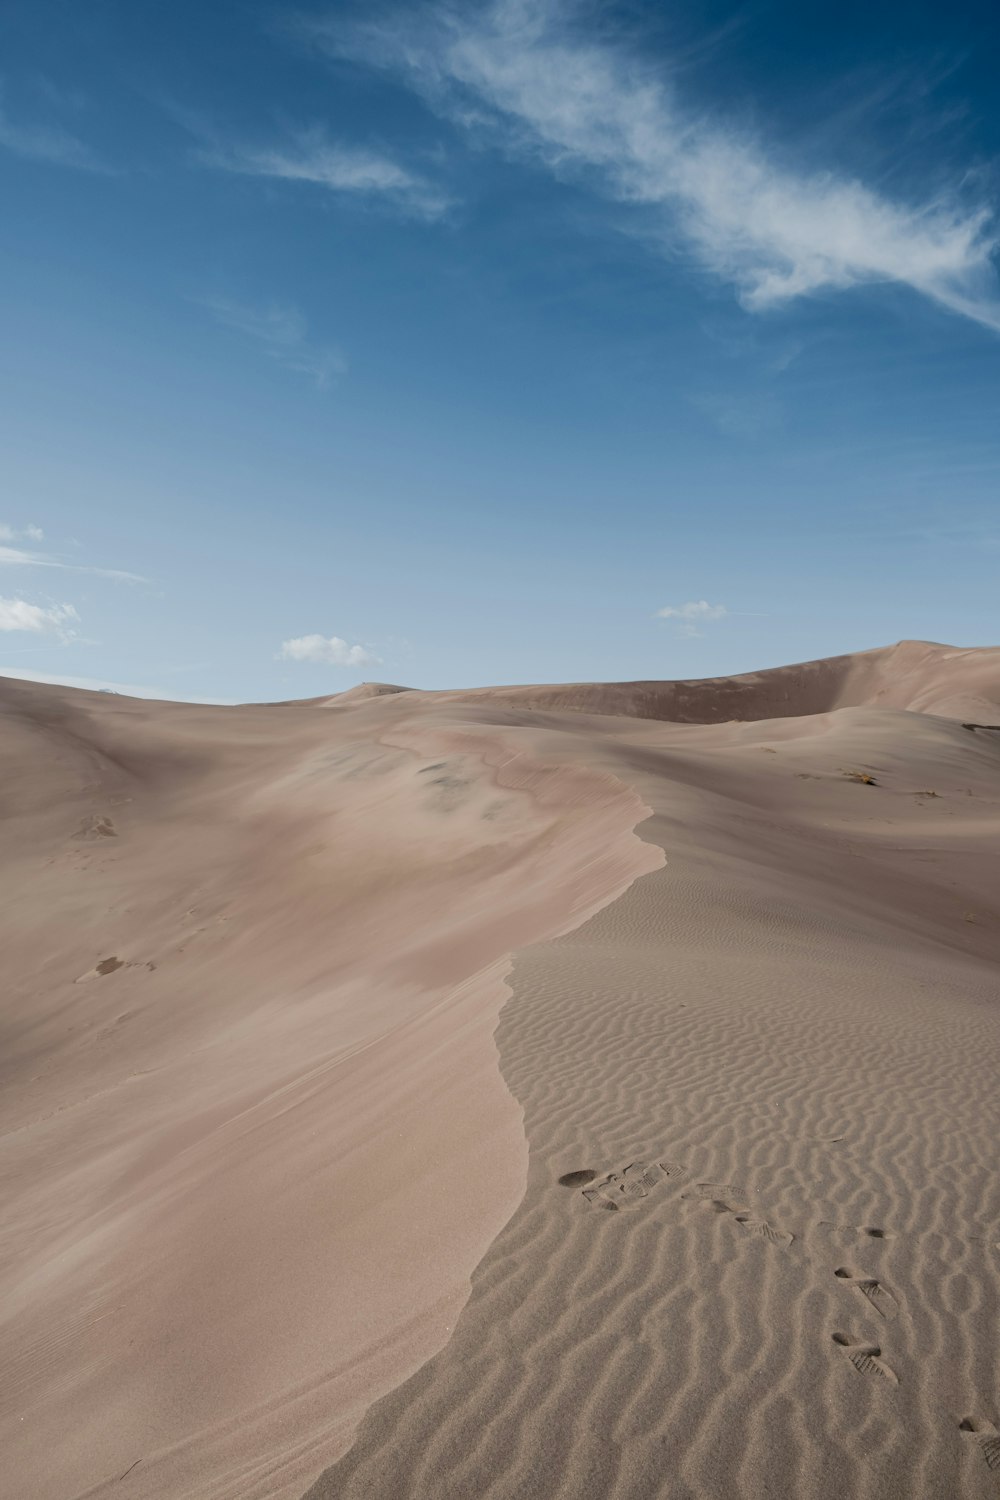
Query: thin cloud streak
x=48, y=143
x=18, y=558
x=310, y=156
x=281, y=330
x=591, y=108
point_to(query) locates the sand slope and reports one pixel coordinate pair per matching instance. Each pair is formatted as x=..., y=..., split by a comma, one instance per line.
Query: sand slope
x=253, y=960
x=252, y=1166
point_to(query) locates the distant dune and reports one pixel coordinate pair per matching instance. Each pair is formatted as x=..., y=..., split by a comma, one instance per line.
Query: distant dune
x=917, y=675
x=714, y=1213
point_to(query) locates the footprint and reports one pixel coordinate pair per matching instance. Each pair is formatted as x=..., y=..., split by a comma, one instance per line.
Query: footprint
x=626, y=1188
x=867, y=1358
x=879, y=1296
x=596, y=1198
x=718, y=1192
x=578, y=1178
x=762, y=1230
x=96, y=828
x=110, y=966
x=987, y=1437
x=870, y=1231
x=673, y=1168
x=106, y=966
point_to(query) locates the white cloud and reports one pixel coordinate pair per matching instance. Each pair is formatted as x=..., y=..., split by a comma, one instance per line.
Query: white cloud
x=10, y=533
x=18, y=614
x=281, y=330
x=698, y=609
x=101, y=685
x=521, y=68
x=310, y=156
x=328, y=650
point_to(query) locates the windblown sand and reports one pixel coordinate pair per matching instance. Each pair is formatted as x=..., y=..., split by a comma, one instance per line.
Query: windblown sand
x=257, y=1140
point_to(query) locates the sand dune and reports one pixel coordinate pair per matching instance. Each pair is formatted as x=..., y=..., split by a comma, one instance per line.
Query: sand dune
x=743, y=1238
x=917, y=675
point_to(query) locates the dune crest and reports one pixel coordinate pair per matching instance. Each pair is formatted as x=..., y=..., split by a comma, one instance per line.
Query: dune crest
x=922, y=676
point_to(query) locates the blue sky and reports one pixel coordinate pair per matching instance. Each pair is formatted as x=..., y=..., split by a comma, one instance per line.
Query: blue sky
x=456, y=344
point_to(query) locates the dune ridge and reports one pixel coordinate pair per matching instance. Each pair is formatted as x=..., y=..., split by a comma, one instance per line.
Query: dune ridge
x=923, y=676
x=766, y=1076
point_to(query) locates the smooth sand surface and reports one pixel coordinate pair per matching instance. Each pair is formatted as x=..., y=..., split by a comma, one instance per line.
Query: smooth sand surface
x=250, y=1167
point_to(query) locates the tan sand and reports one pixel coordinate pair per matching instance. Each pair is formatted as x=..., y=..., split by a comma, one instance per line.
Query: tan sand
x=247, y=1186
x=254, y=1136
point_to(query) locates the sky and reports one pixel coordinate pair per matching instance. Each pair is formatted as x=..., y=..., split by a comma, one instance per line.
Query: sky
x=456, y=344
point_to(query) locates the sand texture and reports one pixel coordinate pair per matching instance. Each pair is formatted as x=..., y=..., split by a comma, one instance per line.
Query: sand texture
x=752, y=1022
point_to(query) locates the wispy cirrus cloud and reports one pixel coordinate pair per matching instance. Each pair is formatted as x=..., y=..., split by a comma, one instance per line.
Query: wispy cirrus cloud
x=311, y=156
x=281, y=330
x=328, y=651
x=21, y=557
x=741, y=414
x=47, y=143
x=525, y=71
